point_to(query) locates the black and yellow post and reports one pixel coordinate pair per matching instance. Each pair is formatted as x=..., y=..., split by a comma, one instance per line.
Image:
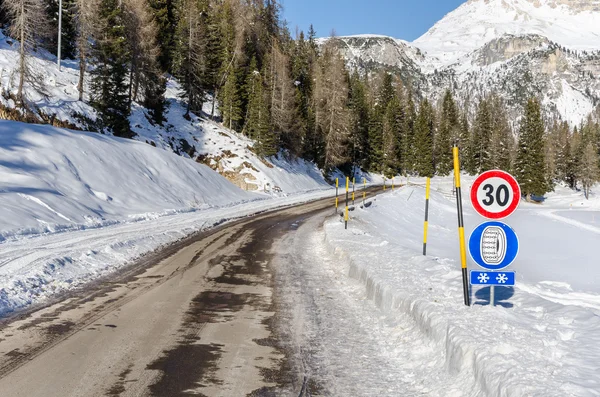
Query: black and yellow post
x=353, y=189
x=337, y=184
x=461, y=227
x=364, y=191
x=384, y=183
x=346, y=213
x=427, y=189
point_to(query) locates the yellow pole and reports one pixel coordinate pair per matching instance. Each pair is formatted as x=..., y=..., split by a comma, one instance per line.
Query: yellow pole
x=427, y=190
x=346, y=215
x=337, y=184
x=384, y=183
x=353, y=189
x=364, y=190
x=461, y=227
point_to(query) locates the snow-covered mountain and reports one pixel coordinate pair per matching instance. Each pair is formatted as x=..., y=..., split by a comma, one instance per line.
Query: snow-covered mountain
x=574, y=24
x=518, y=48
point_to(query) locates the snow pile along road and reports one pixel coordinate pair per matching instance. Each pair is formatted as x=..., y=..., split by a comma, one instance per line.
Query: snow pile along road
x=78, y=205
x=542, y=336
x=53, y=179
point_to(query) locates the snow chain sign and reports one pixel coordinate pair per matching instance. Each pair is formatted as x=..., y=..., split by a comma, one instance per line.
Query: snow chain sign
x=494, y=245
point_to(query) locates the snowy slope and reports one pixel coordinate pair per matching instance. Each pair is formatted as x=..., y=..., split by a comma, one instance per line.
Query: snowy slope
x=574, y=24
x=76, y=205
x=540, y=340
x=225, y=151
x=55, y=179
x=208, y=142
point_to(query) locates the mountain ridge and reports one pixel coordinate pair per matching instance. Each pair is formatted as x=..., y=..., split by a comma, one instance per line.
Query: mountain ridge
x=515, y=56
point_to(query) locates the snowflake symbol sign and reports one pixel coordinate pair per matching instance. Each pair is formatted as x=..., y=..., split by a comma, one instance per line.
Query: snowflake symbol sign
x=502, y=279
x=483, y=278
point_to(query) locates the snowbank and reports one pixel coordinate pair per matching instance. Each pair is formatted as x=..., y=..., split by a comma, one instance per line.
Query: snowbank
x=54, y=179
x=540, y=339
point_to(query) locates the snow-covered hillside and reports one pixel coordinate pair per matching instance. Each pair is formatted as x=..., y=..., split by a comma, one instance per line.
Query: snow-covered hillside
x=53, y=179
x=76, y=205
x=200, y=139
x=517, y=48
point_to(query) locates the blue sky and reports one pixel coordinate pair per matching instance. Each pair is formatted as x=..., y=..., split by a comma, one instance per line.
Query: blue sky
x=402, y=19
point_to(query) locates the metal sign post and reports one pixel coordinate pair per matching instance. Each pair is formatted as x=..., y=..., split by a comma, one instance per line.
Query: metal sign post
x=364, y=191
x=337, y=184
x=461, y=228
x=346, y=214
x=427, y=188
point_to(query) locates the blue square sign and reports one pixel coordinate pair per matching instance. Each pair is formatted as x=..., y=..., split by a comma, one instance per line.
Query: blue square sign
x=492, y=278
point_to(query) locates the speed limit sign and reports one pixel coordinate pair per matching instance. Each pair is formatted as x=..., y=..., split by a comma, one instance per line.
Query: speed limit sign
x=495, y=194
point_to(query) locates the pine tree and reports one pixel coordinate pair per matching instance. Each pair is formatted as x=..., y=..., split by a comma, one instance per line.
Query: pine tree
x=563, y=151
x=228, y=55
x=575, y=152
x=230, y=101
x=480, y=139
x=392, y=128
x=189, y=58
x=449, y=126
x=530, y=163
x=502, y=141
x=69, y=28
x=302, y=70
x=376, y=124
x=424, y=136
x=359, y=120
x=588, y=170
x=110, y=89
x=165, y=18
x=375, y=132
x=258, y=122
x=408, y=154
x=464, y=145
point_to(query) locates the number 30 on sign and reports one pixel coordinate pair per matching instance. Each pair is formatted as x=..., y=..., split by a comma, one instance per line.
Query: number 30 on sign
x=495, y=194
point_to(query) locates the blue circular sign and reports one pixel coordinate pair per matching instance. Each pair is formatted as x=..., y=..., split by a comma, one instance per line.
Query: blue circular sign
x=494, y=245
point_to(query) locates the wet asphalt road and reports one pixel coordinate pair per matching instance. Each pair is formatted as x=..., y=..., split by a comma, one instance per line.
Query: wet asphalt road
x=194, y=319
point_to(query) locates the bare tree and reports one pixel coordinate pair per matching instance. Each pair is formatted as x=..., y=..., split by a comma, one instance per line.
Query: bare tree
x=141, y=33
x=331, y=96
x=27, y=24
x=87, y=27
x=283, y=100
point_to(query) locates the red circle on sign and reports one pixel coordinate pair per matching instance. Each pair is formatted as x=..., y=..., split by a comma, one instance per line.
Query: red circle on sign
x=511, y=181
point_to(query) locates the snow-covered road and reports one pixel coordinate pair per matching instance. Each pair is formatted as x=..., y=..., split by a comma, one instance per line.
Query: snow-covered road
x=33, y=269
x=342, y=343
x=541, y=339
